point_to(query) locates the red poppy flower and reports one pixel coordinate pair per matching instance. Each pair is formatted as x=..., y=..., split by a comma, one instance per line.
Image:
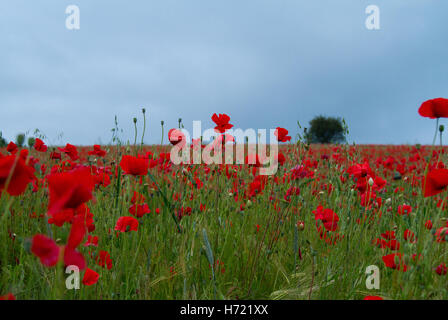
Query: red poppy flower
x=73, y=257
x=281, y=158
x=222, y=122
x=404, y=209
x=40, y=146
x=90, y=277
x=434, y=108
x=12, y=148
x=292, y=191
x=388, y=235
x=69, y=190
x=175, y=136
x=101, y=179
x=441, y=234
x=441, y=269
x=379, y=183
x=393, y=245
x=282, y=134
x=394, y=261
x=71, y=151
x=15, y=173
x=328, y=217
x=135, y=166
x=45, y=249
x=103, y=259
x=91, y=241
x=8, y=296
x=97, y=151
x=77, y=232
x=372, y=298
x=125, y=224
x=409, y=235
x=436, y=182
x=55, y=156
x=139, y=210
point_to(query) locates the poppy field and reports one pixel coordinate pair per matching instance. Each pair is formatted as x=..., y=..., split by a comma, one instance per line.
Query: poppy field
x=137, y=226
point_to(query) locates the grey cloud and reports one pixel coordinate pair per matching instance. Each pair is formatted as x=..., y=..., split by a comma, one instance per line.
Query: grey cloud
x=265, y=63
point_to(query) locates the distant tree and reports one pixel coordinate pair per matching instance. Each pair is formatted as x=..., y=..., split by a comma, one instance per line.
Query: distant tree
x=3, y=142
x=325, y=130
x=20, y=140
x=31, y=142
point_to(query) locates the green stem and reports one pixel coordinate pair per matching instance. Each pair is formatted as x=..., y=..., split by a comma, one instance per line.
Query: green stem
x=144, y=127
x=135, y=135
x=435, y=135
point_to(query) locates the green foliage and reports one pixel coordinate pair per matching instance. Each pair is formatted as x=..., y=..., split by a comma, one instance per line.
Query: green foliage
x=3, y=142
x=325, y=130
x=20, y=140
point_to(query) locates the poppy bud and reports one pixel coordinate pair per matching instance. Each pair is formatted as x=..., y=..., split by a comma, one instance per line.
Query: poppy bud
x=162, y=122
x=135, y=120
x=441, y=128
x=143, y=110
x=370, y=181
x=300, y=225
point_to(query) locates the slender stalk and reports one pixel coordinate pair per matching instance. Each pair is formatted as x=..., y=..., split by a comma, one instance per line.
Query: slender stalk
x=144, y=127
x=435, y=134
x=135, y=132
x=162, y=123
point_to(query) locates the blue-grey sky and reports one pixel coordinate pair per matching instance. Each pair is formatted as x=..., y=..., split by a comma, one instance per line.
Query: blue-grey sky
x=265, y=63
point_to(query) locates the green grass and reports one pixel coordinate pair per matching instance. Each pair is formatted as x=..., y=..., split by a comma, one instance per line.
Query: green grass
x=159, y=262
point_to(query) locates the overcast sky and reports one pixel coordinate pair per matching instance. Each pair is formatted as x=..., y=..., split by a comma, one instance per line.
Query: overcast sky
x=266, y=63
